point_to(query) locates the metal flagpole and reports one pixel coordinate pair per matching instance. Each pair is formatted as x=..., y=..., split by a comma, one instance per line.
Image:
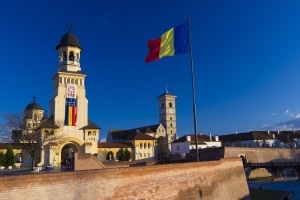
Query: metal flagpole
x=193, y=89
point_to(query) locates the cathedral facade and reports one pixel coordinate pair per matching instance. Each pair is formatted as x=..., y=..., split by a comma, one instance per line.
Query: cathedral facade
x=68, y=120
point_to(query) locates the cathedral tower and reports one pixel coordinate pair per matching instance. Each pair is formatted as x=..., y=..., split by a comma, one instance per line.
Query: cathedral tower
x=69, y=105
x=167, y=114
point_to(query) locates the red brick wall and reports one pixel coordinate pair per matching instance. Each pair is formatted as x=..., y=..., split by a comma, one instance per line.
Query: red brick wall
x=223, y=179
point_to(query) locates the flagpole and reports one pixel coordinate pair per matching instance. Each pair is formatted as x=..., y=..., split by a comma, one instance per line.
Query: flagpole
x=193, y=89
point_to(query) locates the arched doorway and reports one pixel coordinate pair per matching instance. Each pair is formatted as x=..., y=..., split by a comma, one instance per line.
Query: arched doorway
x=110, y=155
x=67, y=155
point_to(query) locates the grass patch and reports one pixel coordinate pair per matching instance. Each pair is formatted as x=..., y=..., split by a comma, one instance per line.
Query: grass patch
x=259, y=194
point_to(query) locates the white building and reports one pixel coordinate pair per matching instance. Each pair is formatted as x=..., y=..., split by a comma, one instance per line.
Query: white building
x=186, y=143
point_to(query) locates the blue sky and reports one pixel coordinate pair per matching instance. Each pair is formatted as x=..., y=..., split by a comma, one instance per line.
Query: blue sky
x=246, y=61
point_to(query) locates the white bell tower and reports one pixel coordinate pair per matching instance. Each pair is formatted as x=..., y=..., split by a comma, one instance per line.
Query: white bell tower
x=69, y=105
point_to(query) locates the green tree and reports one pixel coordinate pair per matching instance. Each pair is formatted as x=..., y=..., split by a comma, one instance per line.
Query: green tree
x=9, y=156
x=2, y=159
x=127, y=155
x=120, y=154
x=123, y=154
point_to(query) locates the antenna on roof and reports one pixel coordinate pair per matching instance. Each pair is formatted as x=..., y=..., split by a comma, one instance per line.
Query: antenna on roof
x=34, y=98
x=167, y=89
x=69, y=25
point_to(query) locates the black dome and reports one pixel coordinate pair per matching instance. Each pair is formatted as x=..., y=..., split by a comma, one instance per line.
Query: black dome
x=33, y=106
x=68, y=39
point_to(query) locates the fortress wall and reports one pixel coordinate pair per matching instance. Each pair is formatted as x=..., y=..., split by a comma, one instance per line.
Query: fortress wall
x=224, y=179
x=255, y=155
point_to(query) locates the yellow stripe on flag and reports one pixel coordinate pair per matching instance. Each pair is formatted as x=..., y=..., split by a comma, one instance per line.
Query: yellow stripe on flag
x=167, y=44
x=70, y=116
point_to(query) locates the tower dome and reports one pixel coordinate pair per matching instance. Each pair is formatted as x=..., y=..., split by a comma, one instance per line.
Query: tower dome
x=68, y=39
x=33, y=106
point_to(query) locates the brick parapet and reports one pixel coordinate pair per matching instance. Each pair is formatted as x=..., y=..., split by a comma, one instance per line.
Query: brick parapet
x=222, y=179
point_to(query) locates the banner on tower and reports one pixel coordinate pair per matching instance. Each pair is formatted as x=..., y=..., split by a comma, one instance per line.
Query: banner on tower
x=71, y=107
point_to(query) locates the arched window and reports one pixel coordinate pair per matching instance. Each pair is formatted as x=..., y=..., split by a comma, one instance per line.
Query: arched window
x=162, y=105
x=94, y=132
x=71, y=56
x=141, y=145
x=171, y=118
x=64, y=55
x=110, y=156
x=89, y=133
x=148, y=145
x=145, y=145
x=171, y=125
x=170, y=104
x=18, y=158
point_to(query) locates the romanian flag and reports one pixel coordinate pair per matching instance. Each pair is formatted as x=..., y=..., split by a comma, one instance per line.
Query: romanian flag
x=70, y=112
x=173, y=42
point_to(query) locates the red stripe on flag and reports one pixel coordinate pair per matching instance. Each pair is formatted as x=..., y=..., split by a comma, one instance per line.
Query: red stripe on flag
x=154, y=48
x=73, y=115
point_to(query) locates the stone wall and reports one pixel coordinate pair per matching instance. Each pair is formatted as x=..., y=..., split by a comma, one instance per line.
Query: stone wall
x=211, y=180
x=256, y=155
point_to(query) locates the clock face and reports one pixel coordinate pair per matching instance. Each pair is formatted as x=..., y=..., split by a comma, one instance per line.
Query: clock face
x=71, y=90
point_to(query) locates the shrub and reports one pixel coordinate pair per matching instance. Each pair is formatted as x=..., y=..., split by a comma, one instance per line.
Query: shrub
x=123, y=155
x=9, y=156
x=2, y=159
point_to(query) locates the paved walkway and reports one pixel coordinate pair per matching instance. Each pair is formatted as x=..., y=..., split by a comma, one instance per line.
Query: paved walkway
x=12, y=172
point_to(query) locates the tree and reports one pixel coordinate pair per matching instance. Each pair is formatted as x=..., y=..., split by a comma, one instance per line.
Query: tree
x=13, y=122
x=31, y=138
x=2, y=159
x=127, y=155
x=9, y=156
x=123, y=154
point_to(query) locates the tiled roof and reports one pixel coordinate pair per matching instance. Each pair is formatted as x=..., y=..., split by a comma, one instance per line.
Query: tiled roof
x=135, y=134
x=14, y=146
x=252, y=135
x=49, y=123
x=142, y=136
x=114, y=145
x=91, y=125
x=283, y=136
x=201, y=139
x=166, y=93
